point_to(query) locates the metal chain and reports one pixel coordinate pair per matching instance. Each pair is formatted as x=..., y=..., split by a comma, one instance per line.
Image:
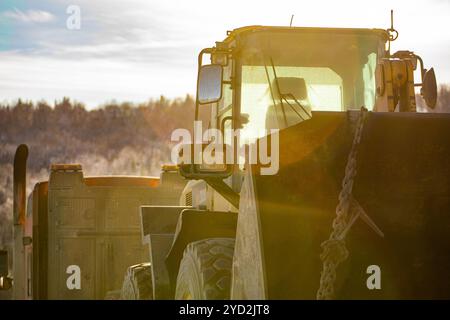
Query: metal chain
x=347, y=211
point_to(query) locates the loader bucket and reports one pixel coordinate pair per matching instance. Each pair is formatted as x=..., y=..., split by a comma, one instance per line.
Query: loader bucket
x=402, y=183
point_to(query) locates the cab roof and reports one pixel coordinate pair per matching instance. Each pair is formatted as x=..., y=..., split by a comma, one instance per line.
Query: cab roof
x=237, y=33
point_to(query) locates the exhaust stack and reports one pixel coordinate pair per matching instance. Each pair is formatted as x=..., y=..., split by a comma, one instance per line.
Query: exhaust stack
x=20, y=172
x=20, y=190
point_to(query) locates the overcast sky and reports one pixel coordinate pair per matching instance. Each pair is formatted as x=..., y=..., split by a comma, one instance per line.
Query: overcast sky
x=137, y=49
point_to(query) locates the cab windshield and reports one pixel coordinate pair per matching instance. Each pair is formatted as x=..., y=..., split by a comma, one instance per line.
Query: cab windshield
x=285, y=76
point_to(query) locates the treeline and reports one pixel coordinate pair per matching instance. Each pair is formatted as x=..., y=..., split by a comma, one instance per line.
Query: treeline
x=65, y=131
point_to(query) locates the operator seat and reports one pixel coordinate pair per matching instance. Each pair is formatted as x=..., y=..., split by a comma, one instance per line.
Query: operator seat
x=289, y=88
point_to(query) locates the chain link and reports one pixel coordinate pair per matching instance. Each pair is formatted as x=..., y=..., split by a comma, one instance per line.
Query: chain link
x=334, y=249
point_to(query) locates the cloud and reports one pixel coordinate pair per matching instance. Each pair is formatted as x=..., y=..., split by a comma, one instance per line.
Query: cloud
x=36, y=16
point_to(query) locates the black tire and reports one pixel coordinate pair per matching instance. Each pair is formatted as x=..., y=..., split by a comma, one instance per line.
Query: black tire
x=205, y=270
x=137, y=284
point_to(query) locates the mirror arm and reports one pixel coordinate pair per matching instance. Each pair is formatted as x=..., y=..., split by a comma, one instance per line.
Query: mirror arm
x=225, y=191
x=422, y=71
x=222, y=123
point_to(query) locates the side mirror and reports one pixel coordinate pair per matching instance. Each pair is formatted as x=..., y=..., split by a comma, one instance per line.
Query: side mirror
x=209, y=83
x=429, y=88
x=5, y=282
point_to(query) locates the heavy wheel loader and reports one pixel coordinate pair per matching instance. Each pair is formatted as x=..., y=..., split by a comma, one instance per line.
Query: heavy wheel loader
x=353, y=203
x=357, y=206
